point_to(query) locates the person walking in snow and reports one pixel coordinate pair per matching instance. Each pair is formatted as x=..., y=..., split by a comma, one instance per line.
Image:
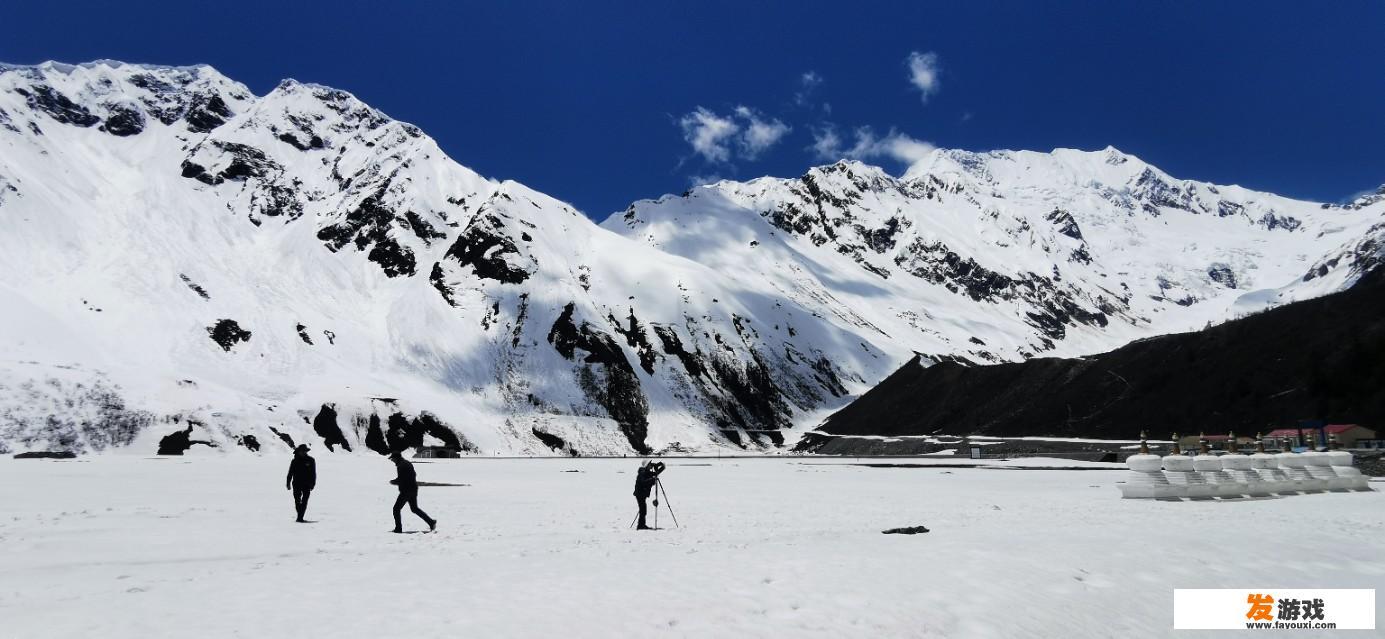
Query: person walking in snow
x=645, y=479
x=302, y=479
x=407, y=481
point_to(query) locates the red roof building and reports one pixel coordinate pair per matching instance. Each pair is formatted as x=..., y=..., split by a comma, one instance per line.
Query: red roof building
x=1346, y=434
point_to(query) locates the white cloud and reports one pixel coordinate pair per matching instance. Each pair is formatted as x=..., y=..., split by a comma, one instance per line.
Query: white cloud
x=923, y=72
x=713, y=136
x=699, y=180
x=759, y=134
x=827, y=145
x=807, y=84
x=901, y=147
x=709, y=134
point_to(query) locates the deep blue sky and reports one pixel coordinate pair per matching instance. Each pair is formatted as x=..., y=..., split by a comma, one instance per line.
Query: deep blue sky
x=585, y=102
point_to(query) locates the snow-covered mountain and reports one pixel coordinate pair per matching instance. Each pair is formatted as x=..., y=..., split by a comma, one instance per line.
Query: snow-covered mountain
x=177, y=249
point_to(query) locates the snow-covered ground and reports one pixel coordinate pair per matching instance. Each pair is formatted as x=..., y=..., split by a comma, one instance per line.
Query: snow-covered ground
x=124, y=546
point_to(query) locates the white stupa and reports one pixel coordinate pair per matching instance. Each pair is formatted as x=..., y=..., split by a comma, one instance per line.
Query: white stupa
x=1267, y=466
x=1240, y=468
x=1319, y=466
x=1210, y=467
x=1145, y=480
x=1182, y=477
x=1349, y=477
x=1294, y=465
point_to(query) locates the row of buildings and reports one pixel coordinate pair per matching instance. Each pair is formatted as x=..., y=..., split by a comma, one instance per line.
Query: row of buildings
x=1305, y=436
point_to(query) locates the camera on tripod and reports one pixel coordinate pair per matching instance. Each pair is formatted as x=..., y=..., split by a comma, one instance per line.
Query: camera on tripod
x=647, y=483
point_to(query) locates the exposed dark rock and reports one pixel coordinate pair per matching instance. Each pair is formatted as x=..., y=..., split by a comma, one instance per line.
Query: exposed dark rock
x=196, y=288
x=227, y=333
x=246, y=162
x=674, y=346
x=250, y=165
x=826, y=376
x=1053, y=306
x=1228, y=209
x=520, y=316
x=1155, y=192
x=636, y=339
x=207, y=112
x=47, y=454
x=1222, y=274
x=123, y=120
x=439, y=281
x=756, y=403
x=197, y=172
x=910, y=530
x=312, y=144
x=936, y=263
x=284, y=437
x=1065, y=223
x=7, y=123
x=179, y=441
x=422, y=228
x=398, y=436
x=44, y=98
x=164, y=105
x=430, y=425
x=617, y=389
x=303, y=335
x=883, y=239
x=1287, y=222
x=394, y=260
x=404, y=433
x=325, y=425
x=1365, y=256
x=375, y=437
x=250, y=442
x=553, y=442
x=369, y=223
x=484, y=247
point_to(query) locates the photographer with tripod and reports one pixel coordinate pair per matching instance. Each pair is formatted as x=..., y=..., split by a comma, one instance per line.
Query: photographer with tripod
x=645, y=480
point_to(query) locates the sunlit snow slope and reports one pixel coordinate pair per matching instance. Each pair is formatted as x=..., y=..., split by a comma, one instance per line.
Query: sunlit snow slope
x=178, y=250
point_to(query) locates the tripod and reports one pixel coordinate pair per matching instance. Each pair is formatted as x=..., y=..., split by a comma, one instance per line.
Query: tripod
x=659, y=486
x=659, y=489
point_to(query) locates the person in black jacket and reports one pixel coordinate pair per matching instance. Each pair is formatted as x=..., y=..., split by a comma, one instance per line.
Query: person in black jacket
x=407, y=481
x=645, y=479
x=302, y=479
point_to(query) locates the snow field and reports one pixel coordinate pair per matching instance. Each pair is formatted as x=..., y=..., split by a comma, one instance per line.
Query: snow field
x=122, y=546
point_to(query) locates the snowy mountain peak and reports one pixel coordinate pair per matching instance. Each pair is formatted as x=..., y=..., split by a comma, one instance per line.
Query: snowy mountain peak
x=118, y=98
x=304, y=262
x=1368, y=199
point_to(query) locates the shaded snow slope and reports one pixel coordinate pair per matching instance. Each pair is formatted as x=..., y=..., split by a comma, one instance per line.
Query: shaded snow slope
x=302, y=262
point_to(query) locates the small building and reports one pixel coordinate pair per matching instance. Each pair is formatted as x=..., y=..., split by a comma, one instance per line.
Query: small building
x=1348, y=435
x=437, y=452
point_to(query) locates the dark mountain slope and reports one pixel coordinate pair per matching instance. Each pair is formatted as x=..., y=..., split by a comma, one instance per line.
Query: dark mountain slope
x=1322, y=358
